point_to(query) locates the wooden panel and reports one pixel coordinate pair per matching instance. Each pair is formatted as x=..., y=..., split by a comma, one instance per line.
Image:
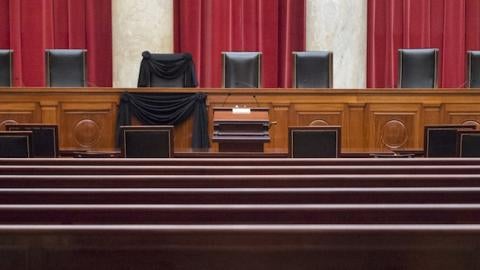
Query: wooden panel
x=414, y=247
x=432, y=114
x=319, y=118
x=393, y=127
x=87, y=126
x=462, y=114
x=13, y=257
x=371, y=119
x=183, y=135
x=12, y=113
x=354, y=131
x=319, y=114
x=279, y=129
x=49, y=112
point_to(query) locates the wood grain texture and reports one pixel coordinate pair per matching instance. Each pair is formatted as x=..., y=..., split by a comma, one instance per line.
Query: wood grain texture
x=372, y=120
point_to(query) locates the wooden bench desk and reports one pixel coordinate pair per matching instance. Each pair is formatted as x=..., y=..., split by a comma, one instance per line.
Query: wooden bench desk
x=241, y=214
x=238, y=181
x=235, y=170
x=427, y=195
x=255, y=247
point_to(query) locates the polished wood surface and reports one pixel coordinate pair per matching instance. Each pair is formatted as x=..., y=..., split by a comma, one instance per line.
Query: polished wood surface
x=379, y=220
x=241, y=129
x=254, y=247
x=372, y=120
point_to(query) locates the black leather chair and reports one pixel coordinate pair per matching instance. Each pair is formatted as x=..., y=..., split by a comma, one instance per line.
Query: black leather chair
x=65, y=68
x=417, y=68
x=314, y=142
x=15, y=144
x=6, y=68
x=241, y=69
x=312, y=69
x=44, y=139
x=147, y=141
x=167, y=70
x=469, y=143
x=441, y=140
x=473, y=69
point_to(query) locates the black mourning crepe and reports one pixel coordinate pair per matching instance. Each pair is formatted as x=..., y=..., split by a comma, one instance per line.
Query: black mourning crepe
x=167, y=70
x=166, y=109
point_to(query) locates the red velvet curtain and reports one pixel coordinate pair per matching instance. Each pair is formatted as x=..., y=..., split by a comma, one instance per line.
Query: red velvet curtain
x=31, y=26
x=453, y=26
x=205, y=28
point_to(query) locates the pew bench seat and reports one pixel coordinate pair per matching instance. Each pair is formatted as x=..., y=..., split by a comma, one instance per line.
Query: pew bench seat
x=256, y=247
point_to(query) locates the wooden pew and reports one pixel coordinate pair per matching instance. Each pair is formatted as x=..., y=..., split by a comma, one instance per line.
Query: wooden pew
x=240, y=161
x=241, y=214
x=235, y=170
x=237, y=181
x=255, y=247
x=242, y=196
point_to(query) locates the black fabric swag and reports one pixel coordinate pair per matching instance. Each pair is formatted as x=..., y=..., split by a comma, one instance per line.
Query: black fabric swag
x=167, y=66
x=166, y=109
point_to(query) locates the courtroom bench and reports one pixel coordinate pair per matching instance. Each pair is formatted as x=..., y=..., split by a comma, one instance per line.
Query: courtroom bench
x=426, y=195
x=234, y=170
x=239, y=181
x=240, y=214
x=189, y=247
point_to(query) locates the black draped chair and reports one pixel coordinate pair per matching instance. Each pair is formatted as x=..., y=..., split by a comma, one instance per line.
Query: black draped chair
x=65, y=68
x=15, y=144
x=442, y=140
x=167, y=70
x=44, y=138
x=473, y=69
x=147, y=141
x=314, y=142
x=6, y=68
x=417, y=68
x=241, y=69
x=312, y=69
x=469, y=143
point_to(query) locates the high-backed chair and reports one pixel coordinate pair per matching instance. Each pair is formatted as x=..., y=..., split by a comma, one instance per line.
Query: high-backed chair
x=167, y=70
x=441, y=140
x=44, y=138
x=65, y=68
x=6, y=68
x=417, y=68
x=312, y=69
x=147, y=141
x=15, y=144
x=473, y=69
x=469, y=143
x=241, y=69
x=314, y=142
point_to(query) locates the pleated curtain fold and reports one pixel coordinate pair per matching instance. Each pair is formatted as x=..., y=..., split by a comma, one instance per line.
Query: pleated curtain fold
x=205, y=28
x=449, y=25
x=31, y=26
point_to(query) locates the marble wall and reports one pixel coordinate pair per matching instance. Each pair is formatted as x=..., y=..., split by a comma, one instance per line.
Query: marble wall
x=137, y=26
x=340, y=26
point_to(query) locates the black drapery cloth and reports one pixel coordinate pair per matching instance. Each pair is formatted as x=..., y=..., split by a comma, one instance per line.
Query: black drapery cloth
x=167, y=66
x=166, y=109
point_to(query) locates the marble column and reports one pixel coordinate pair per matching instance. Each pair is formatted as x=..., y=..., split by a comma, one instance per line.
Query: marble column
x=340, y=26
x=138, y=26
